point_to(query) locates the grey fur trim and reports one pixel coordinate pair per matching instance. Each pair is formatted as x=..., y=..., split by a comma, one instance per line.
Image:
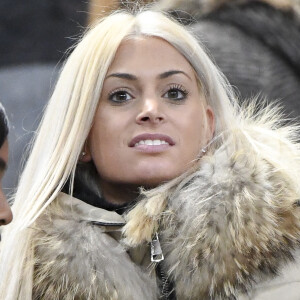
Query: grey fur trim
x=231, y=224
x=77, y=260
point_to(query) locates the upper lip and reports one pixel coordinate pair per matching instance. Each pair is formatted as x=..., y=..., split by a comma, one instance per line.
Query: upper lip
x=151, y=136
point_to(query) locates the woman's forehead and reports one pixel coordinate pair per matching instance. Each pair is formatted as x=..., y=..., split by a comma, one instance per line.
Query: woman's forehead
x=149, y=54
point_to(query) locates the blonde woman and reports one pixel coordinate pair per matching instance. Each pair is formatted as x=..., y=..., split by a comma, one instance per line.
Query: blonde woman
x=170, y=189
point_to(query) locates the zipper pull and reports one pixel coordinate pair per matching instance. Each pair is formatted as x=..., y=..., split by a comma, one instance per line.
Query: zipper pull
x=156, y=252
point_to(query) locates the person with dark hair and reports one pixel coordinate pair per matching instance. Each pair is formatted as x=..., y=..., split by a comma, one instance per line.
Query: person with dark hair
x=5, y=211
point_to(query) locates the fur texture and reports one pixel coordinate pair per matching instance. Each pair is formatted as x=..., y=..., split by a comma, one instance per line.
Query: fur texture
x=78, y=260
x=243, y=223
x=233, y=222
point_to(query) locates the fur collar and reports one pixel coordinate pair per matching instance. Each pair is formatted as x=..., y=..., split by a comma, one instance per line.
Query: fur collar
x=78, y=256
x=233, y=222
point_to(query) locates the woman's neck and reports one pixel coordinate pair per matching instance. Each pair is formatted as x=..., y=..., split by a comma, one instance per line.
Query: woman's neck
x=118, y=193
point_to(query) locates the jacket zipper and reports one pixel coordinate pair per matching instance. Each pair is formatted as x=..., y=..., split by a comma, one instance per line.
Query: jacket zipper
x=100, y=223
x=156, y=252
x=166, y=287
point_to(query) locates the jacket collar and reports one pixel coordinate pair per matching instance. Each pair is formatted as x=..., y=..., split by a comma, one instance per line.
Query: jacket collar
x=87, y=212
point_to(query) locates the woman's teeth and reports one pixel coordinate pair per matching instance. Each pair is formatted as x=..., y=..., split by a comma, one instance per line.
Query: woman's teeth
x=151, y=143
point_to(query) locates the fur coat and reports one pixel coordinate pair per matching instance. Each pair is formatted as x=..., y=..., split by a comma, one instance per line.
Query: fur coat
x=228, y=229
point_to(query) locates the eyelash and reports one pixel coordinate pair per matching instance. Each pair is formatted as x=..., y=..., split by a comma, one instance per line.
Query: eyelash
x=174, y=87
x=115, y=92
x=179, y=88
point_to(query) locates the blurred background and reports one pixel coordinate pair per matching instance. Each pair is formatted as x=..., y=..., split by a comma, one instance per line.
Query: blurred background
x=34, y=36
x=254, y=42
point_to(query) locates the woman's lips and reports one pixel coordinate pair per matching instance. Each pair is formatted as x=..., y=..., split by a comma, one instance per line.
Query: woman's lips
x=151, y=143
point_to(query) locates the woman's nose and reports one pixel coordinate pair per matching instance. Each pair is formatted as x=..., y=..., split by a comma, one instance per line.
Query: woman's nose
x=5, y=210
x=151, y=112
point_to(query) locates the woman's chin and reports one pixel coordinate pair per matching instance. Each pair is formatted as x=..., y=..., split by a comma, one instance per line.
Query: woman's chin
x=153, y=181
x=149, y=176
x=154, y=175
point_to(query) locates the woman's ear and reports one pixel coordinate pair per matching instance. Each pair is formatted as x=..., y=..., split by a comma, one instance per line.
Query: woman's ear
x=85, y=155
x=210, y=123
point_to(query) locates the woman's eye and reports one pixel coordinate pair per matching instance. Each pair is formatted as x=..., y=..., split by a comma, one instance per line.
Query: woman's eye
x=119, y=96
x=175, y=94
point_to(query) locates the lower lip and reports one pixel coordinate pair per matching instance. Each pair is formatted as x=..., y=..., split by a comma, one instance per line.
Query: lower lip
x=152, y=148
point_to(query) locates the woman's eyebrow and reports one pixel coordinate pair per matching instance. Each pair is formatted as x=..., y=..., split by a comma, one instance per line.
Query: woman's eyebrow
x=123, y=75
x=160, y=76
x=173, y=72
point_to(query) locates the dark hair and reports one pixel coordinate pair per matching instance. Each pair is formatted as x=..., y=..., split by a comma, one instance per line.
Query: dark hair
x=3, y=125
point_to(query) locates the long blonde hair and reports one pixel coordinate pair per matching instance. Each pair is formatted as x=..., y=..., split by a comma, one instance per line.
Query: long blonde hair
x=68, y=119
